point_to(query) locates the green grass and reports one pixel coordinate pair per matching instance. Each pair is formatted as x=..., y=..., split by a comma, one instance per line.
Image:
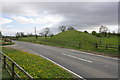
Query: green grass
x=36, y=66
x=76, y=40
x=1, y=41
x=5, y=74
x=112, y=40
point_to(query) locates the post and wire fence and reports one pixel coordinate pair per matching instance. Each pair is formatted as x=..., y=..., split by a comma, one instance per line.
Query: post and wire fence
x=76, y=44
x=108, y=46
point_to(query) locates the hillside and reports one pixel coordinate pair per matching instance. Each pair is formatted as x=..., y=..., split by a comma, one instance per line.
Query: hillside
x=87, y=40
x=75, y=35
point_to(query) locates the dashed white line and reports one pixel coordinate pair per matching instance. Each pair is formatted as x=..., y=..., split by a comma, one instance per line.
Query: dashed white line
x=93, y=54
x=77, y=58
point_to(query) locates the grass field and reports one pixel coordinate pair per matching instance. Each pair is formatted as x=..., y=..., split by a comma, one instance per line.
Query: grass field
x=112, y=40
x=77, y=40
x=36, y=66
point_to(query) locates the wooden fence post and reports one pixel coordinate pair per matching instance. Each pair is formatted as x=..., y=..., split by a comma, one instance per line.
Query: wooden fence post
x=79, y=44
x=4, y=61
x=96, y=45
x=13, y=70
x=100, y=42
x=118, y=48
x=106, y=46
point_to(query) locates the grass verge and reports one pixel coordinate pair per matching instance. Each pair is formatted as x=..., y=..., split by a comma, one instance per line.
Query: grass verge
x=36, y=66
x=5, y=75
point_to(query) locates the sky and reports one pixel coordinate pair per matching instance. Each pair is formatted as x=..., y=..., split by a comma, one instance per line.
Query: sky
x=25, y=16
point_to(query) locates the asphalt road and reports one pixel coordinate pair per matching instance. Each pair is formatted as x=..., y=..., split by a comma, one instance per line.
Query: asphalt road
x=84, y=64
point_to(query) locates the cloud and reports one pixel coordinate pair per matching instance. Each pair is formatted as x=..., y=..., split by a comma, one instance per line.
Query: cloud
x=48, y=19
x=60, y=0
x=7, y=30
x=81, y=15
x=5, y=20
x=75, y=13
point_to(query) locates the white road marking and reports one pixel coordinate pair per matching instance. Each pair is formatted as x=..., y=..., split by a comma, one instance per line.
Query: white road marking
x=106, y=66
x=94, y=54
x=58, y=64
x=77, y=58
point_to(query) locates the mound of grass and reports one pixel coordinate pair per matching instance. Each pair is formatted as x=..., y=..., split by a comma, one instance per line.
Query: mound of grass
x=36, y=66
x=75, y=35
x=86, y=40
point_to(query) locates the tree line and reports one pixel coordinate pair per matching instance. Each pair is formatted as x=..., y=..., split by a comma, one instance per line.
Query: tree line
x=103, y=32
x=45, y=32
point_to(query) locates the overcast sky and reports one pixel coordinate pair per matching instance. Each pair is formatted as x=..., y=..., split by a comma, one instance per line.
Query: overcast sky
x=24, y=16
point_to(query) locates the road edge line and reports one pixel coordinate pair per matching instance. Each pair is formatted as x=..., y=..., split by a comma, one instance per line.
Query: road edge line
x=58, y=65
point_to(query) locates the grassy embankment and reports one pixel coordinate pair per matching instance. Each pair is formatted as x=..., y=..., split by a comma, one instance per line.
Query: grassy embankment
x=36, y=66
x=77, y=40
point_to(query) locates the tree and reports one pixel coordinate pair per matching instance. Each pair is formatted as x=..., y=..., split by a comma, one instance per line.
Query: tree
x=51, y=35
x=41, y=34
x=94, y=33
x=113, y=33
x=103, y=30
x=109, y=34
x=62, y=28
x=0, y=34
x=70, y=28
x=85, y=31
x=46, y=32
x=29, y=34
x=118, y=34
x=17, y=35
x=22, y=34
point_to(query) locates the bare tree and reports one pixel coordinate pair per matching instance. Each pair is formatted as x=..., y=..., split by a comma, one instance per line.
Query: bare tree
x=22, y=34
x=30, y=35
x=62, y=28
x=103, y=30
x=17, y=35
x=0, y=34
x=113, y=32
x=70, y=28
x=46, y=32
x=41, y=34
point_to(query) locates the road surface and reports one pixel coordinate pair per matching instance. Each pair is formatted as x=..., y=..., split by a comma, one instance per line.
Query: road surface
x=84, y=64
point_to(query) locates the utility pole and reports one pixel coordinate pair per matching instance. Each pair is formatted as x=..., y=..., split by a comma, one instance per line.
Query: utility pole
x=35, y=33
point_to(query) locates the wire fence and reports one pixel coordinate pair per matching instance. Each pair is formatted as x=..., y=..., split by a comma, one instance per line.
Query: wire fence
x=76, y=44
x=108, y=46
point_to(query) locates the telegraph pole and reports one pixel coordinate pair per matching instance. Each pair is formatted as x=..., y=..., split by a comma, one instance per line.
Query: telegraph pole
x=35, y=33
